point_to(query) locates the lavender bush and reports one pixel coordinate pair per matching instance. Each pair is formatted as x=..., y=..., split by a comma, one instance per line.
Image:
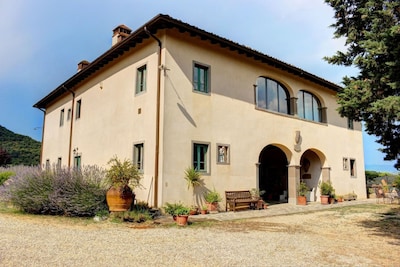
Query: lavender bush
x=57, y=192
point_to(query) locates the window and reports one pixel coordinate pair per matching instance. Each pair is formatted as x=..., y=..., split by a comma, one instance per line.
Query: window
x=350, y=124
x=59, y=163
x=69, y=114
x=78, y=108
x=77, y=162
x=138, y=150
x=62, y=117
x=223, y=154
x=201, y=79
x=308, y=106
x=200, y=157
x=141, y=79
x=47, y=165
x=353, y=172
x=345, y=164
x=272, y=96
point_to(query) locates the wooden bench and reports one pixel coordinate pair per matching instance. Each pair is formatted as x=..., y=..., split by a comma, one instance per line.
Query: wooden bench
x=239, y=200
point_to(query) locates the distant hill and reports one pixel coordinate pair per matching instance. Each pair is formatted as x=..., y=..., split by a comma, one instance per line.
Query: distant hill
x=22, y=149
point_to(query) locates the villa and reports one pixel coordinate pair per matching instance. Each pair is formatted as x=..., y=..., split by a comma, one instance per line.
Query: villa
x=170, y=95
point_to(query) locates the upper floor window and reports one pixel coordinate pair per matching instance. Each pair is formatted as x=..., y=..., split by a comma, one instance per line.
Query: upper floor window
x=272, y=96
x=141, y=79
x=78, y=108
x=201, y=78
x=308, y=106
x=350, y=124
x=62, y=117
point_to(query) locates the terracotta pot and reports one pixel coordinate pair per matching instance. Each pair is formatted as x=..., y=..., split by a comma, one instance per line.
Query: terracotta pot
x=203, y=212
x=193, y=212
x=301, y=200
x=265, y=206
x=324, y=199
x=212, y=206
x=119, y=199
x=182, y=220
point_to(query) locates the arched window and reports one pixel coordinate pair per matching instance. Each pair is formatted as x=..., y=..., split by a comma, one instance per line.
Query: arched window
x=308, y=106
x=272, y=96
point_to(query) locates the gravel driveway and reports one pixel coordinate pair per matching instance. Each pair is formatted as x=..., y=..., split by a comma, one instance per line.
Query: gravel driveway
x=337, y=237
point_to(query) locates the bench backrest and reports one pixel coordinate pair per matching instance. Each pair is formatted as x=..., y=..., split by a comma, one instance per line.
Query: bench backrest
x=245, y=194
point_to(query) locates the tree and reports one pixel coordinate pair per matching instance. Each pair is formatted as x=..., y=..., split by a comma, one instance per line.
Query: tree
x=372, y=32
x=5, y=158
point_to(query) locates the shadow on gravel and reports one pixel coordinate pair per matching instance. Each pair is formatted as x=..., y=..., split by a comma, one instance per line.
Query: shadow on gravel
x=387, y=224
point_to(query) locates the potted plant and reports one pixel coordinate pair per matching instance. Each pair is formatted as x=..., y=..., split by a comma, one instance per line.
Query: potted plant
x=212, y=198
x=302, y=193
x=256, y=193
x=193, y=179
x=178, y=211
x=123, y=177
x=326, y=190
x=182, y=215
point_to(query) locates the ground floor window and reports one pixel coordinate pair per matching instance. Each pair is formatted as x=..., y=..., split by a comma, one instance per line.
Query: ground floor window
x=223, y=154
x=353, y=172
x=77, y=161
x=138, y=150
x=200, y=157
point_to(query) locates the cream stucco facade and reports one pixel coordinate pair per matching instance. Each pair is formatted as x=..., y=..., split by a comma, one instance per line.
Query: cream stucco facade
x=262, y=148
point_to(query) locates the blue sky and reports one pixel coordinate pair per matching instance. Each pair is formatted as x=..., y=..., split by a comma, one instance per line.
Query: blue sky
x=43, y=40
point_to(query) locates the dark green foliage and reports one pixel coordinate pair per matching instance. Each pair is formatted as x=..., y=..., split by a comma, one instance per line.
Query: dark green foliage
x=372, y=32
x=22, y=150
x=371, y=175
x=4, y=176
x=5, y=158
x=59, y=192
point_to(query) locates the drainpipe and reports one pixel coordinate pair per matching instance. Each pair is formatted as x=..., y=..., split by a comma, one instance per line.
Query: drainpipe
x=44, y=124
x=157, y=149
x=71, y=125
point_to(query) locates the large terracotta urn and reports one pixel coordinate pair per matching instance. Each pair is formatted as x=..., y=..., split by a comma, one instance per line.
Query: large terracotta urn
x=119, y=198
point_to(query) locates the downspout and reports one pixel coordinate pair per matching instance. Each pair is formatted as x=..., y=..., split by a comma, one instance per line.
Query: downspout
x=44, y=124
x=157, y=147
x=71, y=125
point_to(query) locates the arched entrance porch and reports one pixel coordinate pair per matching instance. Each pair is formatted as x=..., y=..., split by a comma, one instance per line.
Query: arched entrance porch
x=312, y=172
x=273, y=174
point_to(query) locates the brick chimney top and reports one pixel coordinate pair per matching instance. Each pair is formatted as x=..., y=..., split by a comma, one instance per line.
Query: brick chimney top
x=83, y=64
x=120, y=33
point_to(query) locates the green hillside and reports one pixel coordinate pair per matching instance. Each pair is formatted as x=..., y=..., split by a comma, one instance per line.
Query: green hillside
x=22, y=149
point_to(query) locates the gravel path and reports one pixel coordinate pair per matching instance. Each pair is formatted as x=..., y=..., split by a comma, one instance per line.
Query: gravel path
x=323, y=238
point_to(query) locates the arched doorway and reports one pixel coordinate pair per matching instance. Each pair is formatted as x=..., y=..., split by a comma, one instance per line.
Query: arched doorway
x=273, y=174
x=310, y=172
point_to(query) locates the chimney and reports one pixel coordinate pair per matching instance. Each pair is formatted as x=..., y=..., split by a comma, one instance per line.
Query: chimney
x=120, y=33
x=83, y=64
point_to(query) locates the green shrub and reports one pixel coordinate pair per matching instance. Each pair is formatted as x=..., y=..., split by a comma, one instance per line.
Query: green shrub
x=5, y=175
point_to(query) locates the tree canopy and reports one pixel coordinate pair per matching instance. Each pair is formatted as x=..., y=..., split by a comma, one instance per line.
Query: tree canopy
x=371, y=29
